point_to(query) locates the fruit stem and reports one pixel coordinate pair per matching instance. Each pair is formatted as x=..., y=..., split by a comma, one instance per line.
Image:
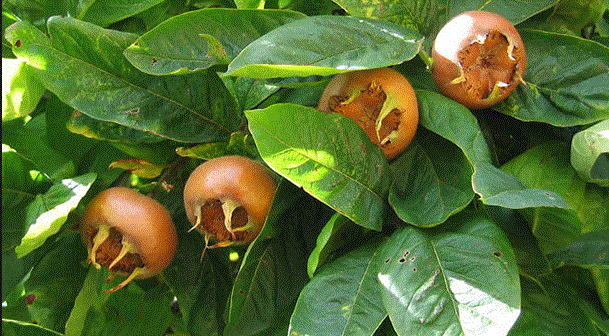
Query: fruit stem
x=425, y=58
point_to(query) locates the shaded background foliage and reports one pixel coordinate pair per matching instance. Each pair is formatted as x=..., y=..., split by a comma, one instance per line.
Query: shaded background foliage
x=486, y=222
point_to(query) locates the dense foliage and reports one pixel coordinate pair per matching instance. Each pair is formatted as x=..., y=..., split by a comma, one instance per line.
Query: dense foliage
x=492, y=222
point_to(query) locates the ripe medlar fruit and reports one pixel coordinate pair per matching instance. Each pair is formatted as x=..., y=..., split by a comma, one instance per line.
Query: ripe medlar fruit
x=128, y=233
x=228, y=199
x=382, y=103
x=478, y=59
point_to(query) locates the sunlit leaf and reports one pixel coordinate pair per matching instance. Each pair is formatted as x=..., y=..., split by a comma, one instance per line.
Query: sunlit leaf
x=47, y=213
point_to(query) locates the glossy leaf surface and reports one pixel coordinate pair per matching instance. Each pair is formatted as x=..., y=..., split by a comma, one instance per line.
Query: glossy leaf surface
x=461, y=279
x=328, y=155
x=325, y=45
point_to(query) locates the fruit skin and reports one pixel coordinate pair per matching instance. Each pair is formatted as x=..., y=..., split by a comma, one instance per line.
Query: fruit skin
x=235, y=178
x=399, y=96
x=460, y=33
x=143, y=221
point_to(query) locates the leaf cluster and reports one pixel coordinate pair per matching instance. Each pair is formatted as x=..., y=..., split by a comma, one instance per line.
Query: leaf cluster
x=492, y=222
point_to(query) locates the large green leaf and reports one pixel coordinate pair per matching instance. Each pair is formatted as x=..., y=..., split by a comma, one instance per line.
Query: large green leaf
x=199, y=39
x=274, y=270
x=328, y=155
x=48, y=212
x=428, y=16
x=566, y=82
x=105, y=12
x=431, y=181
x=547, y=167
x=344, y=298
x=83, y=65
x=250, y=268
x=326, y=45
x=453, y=122
x=457, y=279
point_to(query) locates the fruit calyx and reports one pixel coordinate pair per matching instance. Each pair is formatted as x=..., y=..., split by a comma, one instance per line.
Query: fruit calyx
x=373, y=110
x=110, y=249
x=489, y=65
x=223, y=220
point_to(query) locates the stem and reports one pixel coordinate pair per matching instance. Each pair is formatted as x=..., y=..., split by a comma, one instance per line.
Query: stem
x=425, y=58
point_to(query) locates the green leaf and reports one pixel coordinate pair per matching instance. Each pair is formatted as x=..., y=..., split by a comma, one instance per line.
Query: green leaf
x=547, y=167
x=343, y=298
x=248, y=92
x=325, y=45
x=83, y=65
x=32, y=147
x=21, y=91
x=130, y=311
x=554, y=309
x=453, y=122
x=16, y=180
x=566, y=82
x=601, y=279
x=105, y=12
x=54, y=283
x=252, y=269
x=201, y=286
x=47, y=213
x=589, y=250
x=338, y=234
x=273, y=271
x=82, y=124
x=431, y=181
x=238, y=144
x=259, y=4
x=19, y=328
x=590, y=153
x=327, y=155
x=499, y=188
x=199, y=39
x=428, y=16
x=459, y=279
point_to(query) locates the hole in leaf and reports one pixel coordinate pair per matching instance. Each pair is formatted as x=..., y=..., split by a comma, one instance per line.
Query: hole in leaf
x=414, y=269
x=497, y=254
x=402, y=260
x=18, y=43
x=387, y=260
x=154, y=61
